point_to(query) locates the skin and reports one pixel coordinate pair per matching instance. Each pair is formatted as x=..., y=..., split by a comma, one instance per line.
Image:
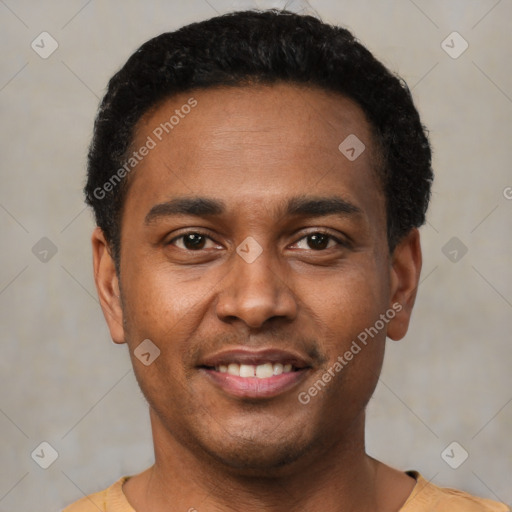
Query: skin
x=254, y=148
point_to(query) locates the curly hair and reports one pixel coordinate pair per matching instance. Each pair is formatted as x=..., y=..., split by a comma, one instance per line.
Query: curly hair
x=262, y=47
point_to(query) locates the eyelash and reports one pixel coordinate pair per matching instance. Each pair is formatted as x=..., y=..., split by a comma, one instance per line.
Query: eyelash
x=340, y=243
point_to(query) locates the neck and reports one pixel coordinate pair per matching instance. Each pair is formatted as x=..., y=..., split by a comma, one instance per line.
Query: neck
x=336, y=477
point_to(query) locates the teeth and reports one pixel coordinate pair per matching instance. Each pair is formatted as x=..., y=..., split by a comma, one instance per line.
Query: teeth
x=262, y=371
x=247, y=370
x=278, y=369
x=234, y=369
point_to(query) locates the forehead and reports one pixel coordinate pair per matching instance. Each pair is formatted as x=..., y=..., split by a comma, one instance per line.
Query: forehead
x=256, y=142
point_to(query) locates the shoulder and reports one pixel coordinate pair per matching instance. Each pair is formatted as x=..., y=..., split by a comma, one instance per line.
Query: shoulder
x=427, y=497
x=93, y=503
x=109, y=500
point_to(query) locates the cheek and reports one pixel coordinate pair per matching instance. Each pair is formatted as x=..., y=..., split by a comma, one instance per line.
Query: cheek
x=169, y=310
x=354, y=348
x=161, y=302
x=350, y=300
x=348, y=308
x=167, y=313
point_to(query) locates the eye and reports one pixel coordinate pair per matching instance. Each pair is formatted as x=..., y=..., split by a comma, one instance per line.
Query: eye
x=192, y=241
x=318, y=241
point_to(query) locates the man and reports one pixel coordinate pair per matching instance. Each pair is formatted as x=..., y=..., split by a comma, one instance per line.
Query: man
x=258, y=181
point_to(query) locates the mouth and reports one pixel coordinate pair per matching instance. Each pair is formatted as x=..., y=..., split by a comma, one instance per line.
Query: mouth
x=262, y=374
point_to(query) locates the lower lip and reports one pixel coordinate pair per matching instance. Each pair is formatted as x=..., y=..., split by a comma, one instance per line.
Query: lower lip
x=253, y=387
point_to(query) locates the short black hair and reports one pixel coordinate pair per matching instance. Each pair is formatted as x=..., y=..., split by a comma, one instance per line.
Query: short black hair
x=261, y=47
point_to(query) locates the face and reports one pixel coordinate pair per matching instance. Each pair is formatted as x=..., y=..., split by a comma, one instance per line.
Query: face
x=253, y=256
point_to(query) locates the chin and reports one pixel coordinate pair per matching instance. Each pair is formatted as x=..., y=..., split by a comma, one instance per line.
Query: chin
x=262, y=454
x=251, y=443
x=258, y=460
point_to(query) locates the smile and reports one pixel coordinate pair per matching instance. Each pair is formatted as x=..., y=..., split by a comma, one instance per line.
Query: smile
x=262, y=371
x=262, y=374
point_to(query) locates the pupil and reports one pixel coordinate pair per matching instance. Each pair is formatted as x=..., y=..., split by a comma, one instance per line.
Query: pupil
x=194, y=241
x=318, y=241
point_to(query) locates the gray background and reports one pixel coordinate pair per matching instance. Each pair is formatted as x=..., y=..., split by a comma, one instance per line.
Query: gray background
x=66, y=383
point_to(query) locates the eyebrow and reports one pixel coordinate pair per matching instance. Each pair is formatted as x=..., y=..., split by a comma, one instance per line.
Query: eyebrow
x=296, y=206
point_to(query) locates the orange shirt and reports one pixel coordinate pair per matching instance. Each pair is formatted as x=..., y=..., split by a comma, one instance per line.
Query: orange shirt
x=425, y=497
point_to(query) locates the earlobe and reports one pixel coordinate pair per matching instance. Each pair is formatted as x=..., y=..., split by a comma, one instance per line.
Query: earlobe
x=406, y=263
x=107, y=285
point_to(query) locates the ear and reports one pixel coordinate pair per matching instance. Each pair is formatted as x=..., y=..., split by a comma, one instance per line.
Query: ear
x=405, y=274
x=107, y=285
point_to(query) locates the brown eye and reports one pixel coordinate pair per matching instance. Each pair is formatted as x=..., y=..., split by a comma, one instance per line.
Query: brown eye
x=318, y=241
x=191, y=241
x=194, y=241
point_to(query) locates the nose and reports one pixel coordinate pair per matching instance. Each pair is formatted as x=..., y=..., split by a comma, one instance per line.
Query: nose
x=256, y=292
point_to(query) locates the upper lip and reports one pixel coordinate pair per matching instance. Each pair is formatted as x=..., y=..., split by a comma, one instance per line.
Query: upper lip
x=256, y=357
